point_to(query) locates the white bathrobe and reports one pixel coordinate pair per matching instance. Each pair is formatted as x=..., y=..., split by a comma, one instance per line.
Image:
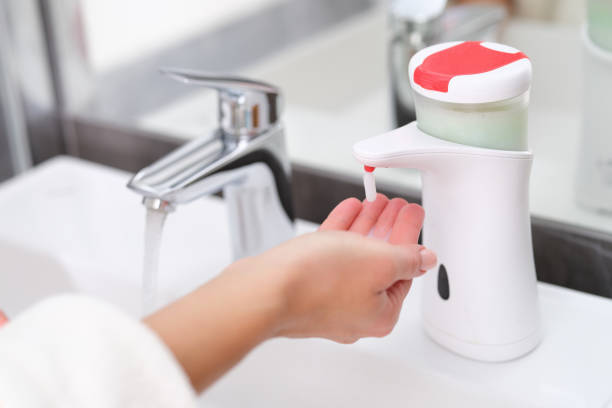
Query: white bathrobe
x=74, y=351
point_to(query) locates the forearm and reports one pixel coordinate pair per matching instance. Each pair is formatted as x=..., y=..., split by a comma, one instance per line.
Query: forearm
x=214, y=327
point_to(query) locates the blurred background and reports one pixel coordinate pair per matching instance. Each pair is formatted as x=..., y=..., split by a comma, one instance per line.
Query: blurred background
x=81, y=77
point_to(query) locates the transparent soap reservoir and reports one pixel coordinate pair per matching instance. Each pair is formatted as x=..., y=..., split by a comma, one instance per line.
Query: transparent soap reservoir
x=494, y=125
x=471, y=93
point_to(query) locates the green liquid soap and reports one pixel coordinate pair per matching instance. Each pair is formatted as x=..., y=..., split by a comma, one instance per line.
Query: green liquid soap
x=496, y=125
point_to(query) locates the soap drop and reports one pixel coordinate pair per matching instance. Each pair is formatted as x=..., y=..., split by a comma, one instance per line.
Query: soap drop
x=369, y=183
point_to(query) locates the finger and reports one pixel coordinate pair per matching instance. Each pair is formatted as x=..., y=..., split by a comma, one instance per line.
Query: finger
x=387, y=218
x=369, y=215
x=342, y=216
x=413, y=261
x=407, y=225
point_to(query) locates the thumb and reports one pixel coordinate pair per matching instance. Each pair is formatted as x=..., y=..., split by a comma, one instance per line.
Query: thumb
x=414, y=260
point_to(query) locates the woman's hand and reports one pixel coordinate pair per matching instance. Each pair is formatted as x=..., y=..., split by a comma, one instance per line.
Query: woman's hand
x=336, y=283
x=342, y=285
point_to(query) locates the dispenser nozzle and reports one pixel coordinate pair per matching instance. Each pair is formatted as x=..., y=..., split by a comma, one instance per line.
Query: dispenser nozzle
x=369, y=183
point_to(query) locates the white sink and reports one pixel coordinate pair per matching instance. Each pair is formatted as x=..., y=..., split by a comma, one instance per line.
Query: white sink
x=70, y=225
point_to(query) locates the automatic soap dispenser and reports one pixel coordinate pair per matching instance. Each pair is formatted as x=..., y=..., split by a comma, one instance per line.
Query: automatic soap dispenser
x=470, y=144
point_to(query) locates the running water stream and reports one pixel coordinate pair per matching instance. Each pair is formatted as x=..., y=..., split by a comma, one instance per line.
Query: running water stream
x=153, y=233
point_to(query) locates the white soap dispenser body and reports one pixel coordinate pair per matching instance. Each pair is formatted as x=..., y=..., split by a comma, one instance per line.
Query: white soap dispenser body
x=480, y=301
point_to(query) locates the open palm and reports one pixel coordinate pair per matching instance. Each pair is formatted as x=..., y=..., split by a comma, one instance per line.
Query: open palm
x=395, y=221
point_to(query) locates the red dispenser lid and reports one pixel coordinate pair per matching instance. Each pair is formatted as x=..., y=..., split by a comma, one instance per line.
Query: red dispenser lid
x=470, y=72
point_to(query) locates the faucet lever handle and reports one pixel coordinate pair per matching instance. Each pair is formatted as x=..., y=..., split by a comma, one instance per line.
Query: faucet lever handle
x=247, y=108
x=219, y=82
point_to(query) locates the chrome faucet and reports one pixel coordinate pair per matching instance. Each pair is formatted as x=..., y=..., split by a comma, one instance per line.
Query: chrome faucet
x=245, y=158
x=415, y=26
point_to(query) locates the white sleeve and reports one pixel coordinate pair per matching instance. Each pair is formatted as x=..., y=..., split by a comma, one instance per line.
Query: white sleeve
x=74, y=351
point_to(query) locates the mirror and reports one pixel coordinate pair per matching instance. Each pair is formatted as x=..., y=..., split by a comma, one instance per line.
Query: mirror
x=331, y=59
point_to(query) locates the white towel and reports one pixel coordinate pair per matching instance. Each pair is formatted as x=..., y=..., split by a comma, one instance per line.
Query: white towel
x=74, y=351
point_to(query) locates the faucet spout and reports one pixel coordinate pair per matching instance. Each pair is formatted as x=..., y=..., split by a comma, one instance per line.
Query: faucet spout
x=168, y=178
x=252, y=175
x=173, y=177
